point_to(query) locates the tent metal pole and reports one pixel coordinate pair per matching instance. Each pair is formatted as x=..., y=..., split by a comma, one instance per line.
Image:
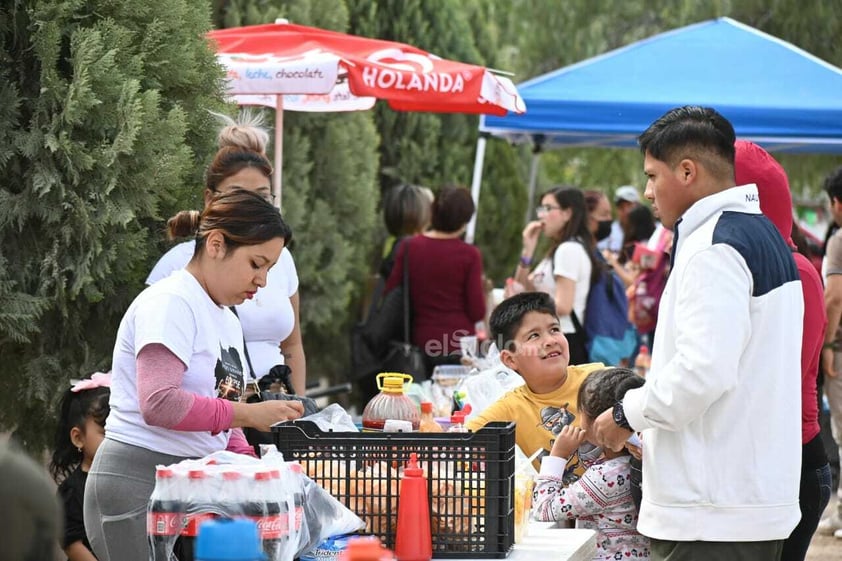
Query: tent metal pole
x=533, y=181
x=279, y=149
x=476, y=182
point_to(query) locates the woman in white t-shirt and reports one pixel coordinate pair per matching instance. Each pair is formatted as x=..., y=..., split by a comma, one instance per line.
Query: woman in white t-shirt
x=178, y=368
x=270, y=320
x=566, y=271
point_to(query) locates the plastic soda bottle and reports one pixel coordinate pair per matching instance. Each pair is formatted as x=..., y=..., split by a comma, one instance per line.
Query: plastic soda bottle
x=263, y=508
x=165, y=517
x=199, y=502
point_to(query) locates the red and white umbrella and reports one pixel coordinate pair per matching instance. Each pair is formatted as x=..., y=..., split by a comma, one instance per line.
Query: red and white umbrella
x=300, y=68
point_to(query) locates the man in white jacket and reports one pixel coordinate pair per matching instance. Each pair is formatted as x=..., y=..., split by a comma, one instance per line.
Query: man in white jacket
x=719, y=415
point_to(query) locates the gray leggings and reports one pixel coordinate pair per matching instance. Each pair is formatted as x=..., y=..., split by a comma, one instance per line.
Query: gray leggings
x=116, y=494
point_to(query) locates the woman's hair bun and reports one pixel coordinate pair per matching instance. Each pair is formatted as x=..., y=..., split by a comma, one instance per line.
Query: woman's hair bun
x=183, y=224
x=246, y=133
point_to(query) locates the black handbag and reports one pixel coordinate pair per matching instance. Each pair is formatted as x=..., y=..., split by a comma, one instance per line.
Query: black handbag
x=278, y=374
x=373, y=347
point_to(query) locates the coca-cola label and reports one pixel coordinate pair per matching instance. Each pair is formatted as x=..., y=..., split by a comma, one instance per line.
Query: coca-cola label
x=164, y=523
x=299, y=517
x=272, y=527
x=191, y=526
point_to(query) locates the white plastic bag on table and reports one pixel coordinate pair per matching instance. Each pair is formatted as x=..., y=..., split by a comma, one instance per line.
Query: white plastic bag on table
x=489, y=385
x=333, y=418
x=326, y=517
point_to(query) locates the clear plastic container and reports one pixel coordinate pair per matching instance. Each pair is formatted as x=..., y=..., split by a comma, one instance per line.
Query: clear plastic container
x=390, y=403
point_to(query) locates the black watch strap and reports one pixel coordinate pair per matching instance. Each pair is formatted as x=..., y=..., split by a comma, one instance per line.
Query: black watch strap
x=620, y=416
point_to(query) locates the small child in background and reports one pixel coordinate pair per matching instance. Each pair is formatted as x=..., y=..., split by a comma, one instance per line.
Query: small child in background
x=80, y=431
x=601, y=499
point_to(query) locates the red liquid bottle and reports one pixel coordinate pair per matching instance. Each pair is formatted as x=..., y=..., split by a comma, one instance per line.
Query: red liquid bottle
x=390, y=403
x=413, y=541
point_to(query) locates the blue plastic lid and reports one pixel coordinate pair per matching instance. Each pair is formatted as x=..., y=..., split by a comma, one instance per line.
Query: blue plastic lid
x=229, y=540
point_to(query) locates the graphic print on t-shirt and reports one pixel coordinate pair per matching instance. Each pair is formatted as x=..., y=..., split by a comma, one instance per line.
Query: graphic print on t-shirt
x=554, y=419
x=229, y=374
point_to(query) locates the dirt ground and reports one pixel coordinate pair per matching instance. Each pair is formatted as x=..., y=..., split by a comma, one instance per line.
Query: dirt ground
x=825, y=548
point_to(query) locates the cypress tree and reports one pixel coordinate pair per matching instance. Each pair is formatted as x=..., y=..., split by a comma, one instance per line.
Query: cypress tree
x=103, y=125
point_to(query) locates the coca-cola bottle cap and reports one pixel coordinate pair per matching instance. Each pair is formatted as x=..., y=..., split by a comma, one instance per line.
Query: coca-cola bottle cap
x=196, y=474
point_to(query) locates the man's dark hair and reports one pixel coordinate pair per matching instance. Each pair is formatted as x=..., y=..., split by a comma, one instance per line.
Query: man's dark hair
x=699, y=133
x=509, y=314
x=833, y=184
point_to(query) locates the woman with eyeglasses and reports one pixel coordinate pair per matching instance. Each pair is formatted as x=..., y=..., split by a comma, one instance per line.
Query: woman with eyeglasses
x=270, y=319
x=566, y=270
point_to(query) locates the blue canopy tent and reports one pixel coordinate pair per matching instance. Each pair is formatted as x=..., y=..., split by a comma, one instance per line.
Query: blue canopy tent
x=774, y=93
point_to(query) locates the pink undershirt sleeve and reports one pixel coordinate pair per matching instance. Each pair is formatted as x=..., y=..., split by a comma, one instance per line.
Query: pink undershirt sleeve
x=164, y=404
x=238, y=444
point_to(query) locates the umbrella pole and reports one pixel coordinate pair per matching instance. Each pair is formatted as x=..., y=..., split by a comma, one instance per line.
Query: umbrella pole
x=476, y=182
x=279, y=149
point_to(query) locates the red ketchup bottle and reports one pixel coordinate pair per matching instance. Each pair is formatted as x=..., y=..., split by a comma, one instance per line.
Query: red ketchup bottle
x=413, y=541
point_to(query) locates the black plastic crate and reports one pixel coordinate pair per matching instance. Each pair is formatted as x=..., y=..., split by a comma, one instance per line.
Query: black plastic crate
x=470, y=480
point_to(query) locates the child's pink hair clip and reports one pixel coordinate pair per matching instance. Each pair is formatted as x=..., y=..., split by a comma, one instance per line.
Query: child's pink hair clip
x=97, y=380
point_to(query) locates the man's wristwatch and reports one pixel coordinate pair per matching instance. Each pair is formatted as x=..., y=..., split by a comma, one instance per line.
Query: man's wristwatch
x=620, y=416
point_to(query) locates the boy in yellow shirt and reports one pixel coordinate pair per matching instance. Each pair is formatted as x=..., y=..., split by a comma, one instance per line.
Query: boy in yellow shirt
x=528, y=334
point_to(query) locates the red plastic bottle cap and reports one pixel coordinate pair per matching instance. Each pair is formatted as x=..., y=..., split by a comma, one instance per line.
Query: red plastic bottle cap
x=457, y=418
x=164, y=473
x=196, y=474
x=426, y=407
x=363, y=549
x=230, y=475
x=412, y=468
x=263, y=476
x=295, y=468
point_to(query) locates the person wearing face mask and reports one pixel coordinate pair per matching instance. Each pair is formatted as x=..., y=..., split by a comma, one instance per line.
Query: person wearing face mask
x=626, y=199
x=568, y=269
x=599, y=215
